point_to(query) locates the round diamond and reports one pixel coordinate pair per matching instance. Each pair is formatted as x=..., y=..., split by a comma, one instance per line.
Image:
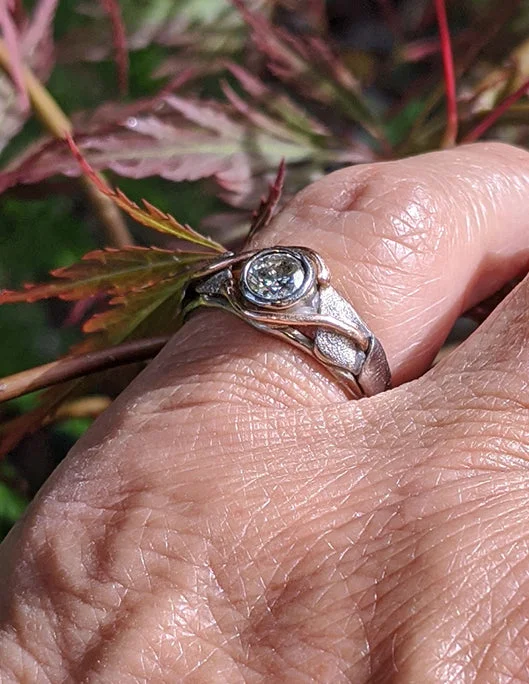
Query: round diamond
x=274, y=277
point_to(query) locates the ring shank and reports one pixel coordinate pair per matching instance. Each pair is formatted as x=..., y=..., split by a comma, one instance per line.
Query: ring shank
x=322, y=323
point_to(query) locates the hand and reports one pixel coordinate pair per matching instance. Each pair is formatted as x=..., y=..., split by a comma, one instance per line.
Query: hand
x=233, y=518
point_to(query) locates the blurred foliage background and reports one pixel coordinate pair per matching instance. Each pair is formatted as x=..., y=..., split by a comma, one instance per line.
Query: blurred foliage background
x=326, y=84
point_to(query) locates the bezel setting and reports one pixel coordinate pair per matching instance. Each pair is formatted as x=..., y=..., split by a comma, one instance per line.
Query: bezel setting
x=300, y=306
x=306, y=271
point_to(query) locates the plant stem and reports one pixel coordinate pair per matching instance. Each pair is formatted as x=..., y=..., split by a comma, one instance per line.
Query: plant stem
x=58, y=124
x=113, y=10
x=495, y=114
x=450, y=135
x=485, y=32
x=72, y=367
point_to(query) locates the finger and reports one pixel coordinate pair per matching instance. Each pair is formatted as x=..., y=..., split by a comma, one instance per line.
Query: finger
x=492, y=367
x=174, y=495
x=411, y=244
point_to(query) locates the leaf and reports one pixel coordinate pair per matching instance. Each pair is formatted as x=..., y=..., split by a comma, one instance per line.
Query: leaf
x=264, y=213
x=189, y=139
x=35, y=49
x=156, y=308
x=501, y=82
x=150, y=216
x=131, y=317
x=119, y=36
x=257, y=115
x=308, y=63
x=164, y=22
x=11, y=39
x=205, y=42
x=110, y=272
x=278, y=104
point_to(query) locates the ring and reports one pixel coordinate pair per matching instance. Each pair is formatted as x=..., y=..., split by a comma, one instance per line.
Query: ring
x=286, y=292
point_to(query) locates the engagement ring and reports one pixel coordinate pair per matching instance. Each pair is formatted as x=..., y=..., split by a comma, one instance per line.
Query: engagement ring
x=286, y=292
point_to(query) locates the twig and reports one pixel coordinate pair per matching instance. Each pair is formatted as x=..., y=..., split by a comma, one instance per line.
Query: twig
x=450, y=135
x=58, y=124
x=73, y=367
x=493, y=116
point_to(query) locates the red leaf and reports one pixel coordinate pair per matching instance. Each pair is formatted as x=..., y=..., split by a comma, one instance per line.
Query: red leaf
x=150, y=216
x=12, y=41
x=157, y=307
x=295, y=56
x=30, y=44
x=277, y=104
x=119, y=35
x=131, y=316
x=262, y=216
x=311, y=66
x=236, y=144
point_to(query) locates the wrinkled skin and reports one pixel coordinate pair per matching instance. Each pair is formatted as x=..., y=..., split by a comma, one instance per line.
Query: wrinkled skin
x=233, y=518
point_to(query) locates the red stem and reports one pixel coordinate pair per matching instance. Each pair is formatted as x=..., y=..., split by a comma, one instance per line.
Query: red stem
x=493, y=116
x=72, y=367
x=450, y=136
x=119, y=37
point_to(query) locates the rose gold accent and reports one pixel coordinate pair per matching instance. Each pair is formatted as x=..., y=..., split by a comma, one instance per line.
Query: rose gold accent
x=373, y=375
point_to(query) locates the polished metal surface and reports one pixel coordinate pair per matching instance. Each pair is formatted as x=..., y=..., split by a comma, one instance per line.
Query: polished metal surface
x=287, y=292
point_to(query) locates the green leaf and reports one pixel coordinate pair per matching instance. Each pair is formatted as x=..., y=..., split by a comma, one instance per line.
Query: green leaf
x=110, y=272
x=156, y=309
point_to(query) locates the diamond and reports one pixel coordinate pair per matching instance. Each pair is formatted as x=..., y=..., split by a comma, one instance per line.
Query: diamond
x=274, y=277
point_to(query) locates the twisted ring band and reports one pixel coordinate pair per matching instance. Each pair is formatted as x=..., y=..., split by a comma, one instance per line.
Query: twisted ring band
x=286, y=292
